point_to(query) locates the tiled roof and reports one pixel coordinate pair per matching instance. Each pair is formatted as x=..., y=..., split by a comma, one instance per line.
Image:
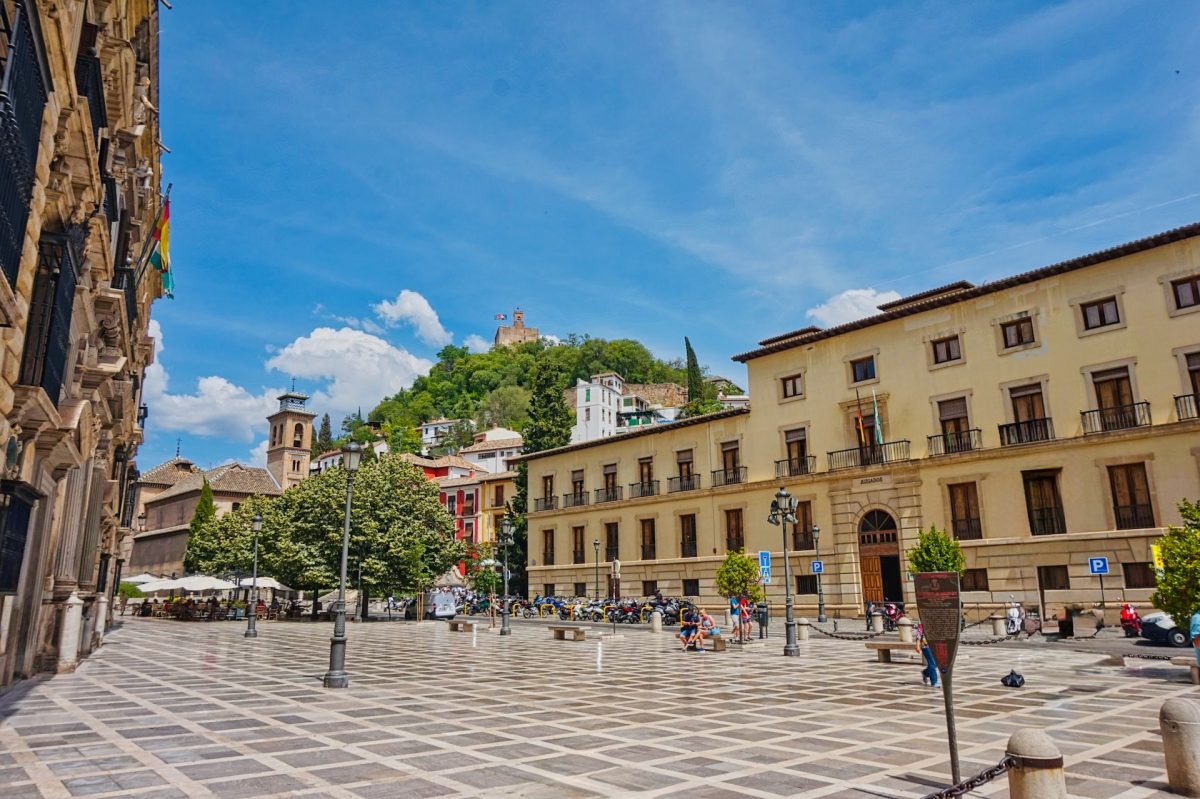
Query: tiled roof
x=636, y=433
x=169, y=473
x=490, y=476
x=500, y=443
x=456, y=482
x=441, y=463
x=232, y=478
x=940, y=300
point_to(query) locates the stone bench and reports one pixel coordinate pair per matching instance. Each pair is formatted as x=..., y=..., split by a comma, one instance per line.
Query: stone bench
x=1190, y=662
x=459, y=625
x=719, y=643
x=560, y=632
x=884, y=649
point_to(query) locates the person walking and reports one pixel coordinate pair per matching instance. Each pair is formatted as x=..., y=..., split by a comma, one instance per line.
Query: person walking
x=1194, y=633
x=929, y=674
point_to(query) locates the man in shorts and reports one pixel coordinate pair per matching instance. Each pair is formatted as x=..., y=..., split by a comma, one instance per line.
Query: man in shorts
x=688, y=625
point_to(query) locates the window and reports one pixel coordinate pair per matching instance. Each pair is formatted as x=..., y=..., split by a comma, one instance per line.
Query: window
x=946, y=350
x=683, y=460
x=237, y=505
x=587, y=395
x=862, y=369
x=1027, y=402
x=610, y=477
x=975, y=580
x=1139, y=575
x=645, y=470
x=806, y=583
x=1186, y=291
x=1193, y=370
x=612, y=549
x=587, y=414
x=649, y=587
x=1113, y=389
x=730, y=454
x=1100, y=313
x=577, y=482
x=547, y=487
x=952, y=415
x=796, y=442
x=691, y=588
x=1017, y=332
x=1054, y=578
x=498, y=498
x=469, y=504
x=793, y=386
x=735, y=534
x=578, y=553
x=547, y=547
x=469, y=531
x=452, y=505
x=687, y=536
x=1044, y=503
x=648, y=545
x=1131, y=496
x=802, y=538
x=964, y=511
x=298, y=435
x=627, y=402
x=580, y=589
x=295, y=464
x=547, y=589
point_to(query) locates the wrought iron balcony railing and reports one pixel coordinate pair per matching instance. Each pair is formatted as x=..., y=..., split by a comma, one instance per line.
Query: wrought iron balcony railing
x=1133, y=517
x=648, y=552
x=870, y=455
x=545, y=503
x=577, y=556
x=125, y=281
x=728, y=477
x=802, y=540
x=1118, y=417
x=610, y=494
x=966, y=529
x=795, y=467
x=575, y=500
x=48, y=335
x=1027, y=432
x=91, y=88
x=646, y=489
x=687, y=548
x=687, y=482
x=1047, y=521
x=950, y=443
x=1187, y=406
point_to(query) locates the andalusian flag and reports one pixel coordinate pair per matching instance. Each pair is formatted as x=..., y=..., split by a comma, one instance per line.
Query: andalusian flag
x=878, y=423
x=160, y=257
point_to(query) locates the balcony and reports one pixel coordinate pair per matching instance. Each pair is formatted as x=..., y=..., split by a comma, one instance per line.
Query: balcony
x=609, y=494
x=728, y=477
x=951, y=443
x=1133, y=517
x=874, y=454
x=48, y=335
x=545, y=503
x=646, y=489
x=966, y=529
x=687, y=548
x=795, y=467
x=91, y=88
x=1047, y=521
x=1186, y=406
x=802, y=540
x=648, y=552
x=575, y=500
x=125, y=282
x=687, y=482
x=1118, y=417
x=1027, y=432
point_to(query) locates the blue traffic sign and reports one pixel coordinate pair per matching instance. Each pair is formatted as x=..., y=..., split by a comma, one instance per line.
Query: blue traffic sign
x=818, y=567
x=764, y=565
x=1098, y=565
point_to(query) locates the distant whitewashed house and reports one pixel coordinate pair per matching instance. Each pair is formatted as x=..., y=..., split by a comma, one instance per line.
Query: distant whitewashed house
x=493, y=449
x=434, y=432
x=606, y=405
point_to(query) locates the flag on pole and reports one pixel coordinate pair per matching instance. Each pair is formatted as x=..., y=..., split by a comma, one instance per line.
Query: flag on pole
x=878, y=423
x=160, y=256
x=862, y=434
x=500, y=317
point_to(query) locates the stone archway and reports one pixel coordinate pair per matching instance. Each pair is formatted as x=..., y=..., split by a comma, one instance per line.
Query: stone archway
x=879, y=557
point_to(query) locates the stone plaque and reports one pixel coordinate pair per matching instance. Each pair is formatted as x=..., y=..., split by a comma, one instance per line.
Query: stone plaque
x=873, y=483
x=940, y=609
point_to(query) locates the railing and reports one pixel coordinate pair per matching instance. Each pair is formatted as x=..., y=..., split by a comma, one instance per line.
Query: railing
x=14, y=531
x=609, y=494
x=1133, y=517
x=648, y=552
x=112, y=207
x=124, y=280
x=646, y=489
x=575, y=500
x=802, y=540
x=729, y=477
x=1047, y=521
x=966, y=529
x=1186, y=406
x=48, y=335
x=90, y=86
x=23, y=93
x=545, y=503
x=887, y=452
x=611, y=552
x=1118, y=417
x=1026, y=432
x=795, y=467
x=687, y=548
x=952, y=442
x=688, y=482
x=577, y=556
x=548, y=557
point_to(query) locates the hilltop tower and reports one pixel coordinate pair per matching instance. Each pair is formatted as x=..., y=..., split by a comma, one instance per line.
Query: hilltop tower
x=517, y=333
x=289, y=443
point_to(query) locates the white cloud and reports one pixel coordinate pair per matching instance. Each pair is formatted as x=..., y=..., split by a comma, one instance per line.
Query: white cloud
x=476, y=343
x=258, y=454
x=412, y=308
x=216, y=408
x=851, y=304
x=361, y=368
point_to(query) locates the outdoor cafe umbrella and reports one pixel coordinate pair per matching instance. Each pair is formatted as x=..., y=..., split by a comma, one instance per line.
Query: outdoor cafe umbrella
x=194, y=584
x=264, y=583
x=139, y=579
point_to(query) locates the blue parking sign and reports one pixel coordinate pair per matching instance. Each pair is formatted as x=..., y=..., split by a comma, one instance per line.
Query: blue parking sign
x=817, y=567
x=1098, y=565
x=764, y=565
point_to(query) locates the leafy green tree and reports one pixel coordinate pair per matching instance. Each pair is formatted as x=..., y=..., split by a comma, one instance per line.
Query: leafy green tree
x=1179, y=581
x=461, y=434
x=738, y=575
x=481, y=570
x=403, y=438
x=129, y=591
x=324, y=441
x=936, y=552
x=695, y=378
x=506, y=406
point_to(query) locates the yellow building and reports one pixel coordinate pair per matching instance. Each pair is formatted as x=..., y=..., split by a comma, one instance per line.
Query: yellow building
x=1044, y=419
x=498, y=489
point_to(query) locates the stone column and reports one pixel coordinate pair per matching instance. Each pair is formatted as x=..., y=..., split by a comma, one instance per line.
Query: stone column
x=66, y=553
x=905, y=626
x=101, y=617
x=1038, y=773
x=802, y=628
x=1179, y=721
x=68, y=639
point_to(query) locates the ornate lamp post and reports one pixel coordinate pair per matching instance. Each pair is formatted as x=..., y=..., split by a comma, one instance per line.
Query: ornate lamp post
x=336, y=677
x=783, y=513
x=816, y=532
x=596, y=545
x=506, y=540
x=252, y=611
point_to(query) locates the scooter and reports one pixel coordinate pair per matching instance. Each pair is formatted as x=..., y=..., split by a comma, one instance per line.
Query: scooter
x=1131, y=622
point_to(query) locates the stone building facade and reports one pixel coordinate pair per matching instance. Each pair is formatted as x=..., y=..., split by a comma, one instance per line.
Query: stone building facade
x=1043, y=419
x=80, y=186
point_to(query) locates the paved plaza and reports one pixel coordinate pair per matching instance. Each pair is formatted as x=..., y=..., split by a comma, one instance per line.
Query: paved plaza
x=174, y=709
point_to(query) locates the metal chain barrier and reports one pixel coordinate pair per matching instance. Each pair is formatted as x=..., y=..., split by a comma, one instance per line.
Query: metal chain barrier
x=985, y=642
x=982, y=778
x=848, y=636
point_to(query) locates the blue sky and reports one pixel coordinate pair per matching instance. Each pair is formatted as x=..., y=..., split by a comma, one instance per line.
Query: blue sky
x=357, y=184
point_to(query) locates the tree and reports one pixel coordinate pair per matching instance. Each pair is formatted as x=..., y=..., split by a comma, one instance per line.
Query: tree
x=695, y=378
x=1179, y=581
x=324, y=440
x=403, y=438
x=481, y=569
x=506, y=406
x=202, y=517
x=738, y=575
x=936, y=552
x=550, y=420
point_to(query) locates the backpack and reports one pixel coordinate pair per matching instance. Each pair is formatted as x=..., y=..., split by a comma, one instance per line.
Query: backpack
x=1012, y=680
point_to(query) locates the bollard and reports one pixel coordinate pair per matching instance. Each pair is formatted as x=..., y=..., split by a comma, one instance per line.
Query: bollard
x=876, y=622
x=101, y=618
x=998, y=627
x=656, y=621
x=1038, y=772
x=802, y=626
x=905, y=626
x=68, y=641
x=1179, y=721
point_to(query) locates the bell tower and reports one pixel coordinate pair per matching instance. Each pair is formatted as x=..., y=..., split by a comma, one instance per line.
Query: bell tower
x=289, y=440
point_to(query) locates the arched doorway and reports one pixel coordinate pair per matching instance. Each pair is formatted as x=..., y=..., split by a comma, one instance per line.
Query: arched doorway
x=879, y=557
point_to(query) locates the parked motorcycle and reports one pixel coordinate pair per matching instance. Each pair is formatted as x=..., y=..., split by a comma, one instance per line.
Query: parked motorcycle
x=1131, y=622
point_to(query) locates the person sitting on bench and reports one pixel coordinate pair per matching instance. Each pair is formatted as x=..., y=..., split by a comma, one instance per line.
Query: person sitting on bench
x=688, y=626
x=708, y=626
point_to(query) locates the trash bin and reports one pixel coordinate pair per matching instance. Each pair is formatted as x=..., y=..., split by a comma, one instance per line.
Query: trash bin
x=1066, y=624
x=762, y=615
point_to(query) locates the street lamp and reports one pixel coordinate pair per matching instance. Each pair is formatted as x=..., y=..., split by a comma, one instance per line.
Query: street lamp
x=596, y=544
x=252, y=614
x=506, y=540
x=783, y=513
x=816, y=531
x=336, y=677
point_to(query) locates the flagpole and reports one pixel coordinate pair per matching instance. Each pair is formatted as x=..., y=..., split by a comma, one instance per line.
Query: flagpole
x=878, y=421
x=141, y=261
x=862, y=434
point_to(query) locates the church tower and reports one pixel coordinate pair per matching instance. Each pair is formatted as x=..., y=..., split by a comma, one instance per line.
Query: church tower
x=289, y=443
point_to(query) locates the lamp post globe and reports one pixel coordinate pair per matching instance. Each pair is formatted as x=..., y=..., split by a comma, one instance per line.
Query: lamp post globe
x=596, y=546
x=506, y=540
x=336, y=677
x=252, y=610
x=816, y=534
x=783, y=513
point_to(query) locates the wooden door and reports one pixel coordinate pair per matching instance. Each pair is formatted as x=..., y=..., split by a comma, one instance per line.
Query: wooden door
x=872, y=578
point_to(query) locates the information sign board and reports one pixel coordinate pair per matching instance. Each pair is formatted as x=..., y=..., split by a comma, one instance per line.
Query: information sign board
x=938, y=603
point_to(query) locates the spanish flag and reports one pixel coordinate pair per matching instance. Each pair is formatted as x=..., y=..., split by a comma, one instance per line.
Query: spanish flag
x=160, y=257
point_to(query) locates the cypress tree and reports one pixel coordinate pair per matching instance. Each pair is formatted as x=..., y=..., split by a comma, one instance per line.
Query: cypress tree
x=324, y=440
x=695, y=379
